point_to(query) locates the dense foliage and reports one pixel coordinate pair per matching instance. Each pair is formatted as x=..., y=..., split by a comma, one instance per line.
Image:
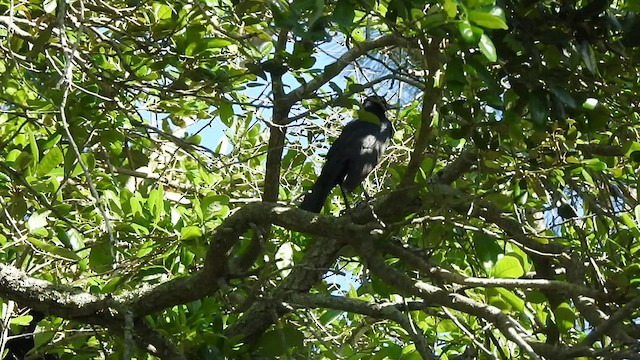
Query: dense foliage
x=152, y=153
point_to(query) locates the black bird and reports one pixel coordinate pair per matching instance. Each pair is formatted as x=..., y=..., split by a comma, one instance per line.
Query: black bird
x=354, y=154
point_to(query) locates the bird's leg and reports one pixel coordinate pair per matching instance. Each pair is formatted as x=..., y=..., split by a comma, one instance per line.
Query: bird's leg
x=369, y=203
x=344, y=196
x=366, y=195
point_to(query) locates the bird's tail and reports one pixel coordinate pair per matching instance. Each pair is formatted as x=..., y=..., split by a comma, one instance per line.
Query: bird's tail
x=315, y=198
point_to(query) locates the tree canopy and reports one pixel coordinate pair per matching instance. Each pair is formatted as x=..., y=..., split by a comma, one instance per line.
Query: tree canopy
x=152, y=154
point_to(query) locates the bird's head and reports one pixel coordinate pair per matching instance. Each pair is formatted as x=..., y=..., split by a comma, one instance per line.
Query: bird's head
x=376, y=104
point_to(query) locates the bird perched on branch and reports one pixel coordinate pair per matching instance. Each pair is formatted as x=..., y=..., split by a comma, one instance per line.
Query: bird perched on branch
x=353, y=155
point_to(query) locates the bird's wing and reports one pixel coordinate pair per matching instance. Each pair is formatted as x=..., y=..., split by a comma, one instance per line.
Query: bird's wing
x=355, y=136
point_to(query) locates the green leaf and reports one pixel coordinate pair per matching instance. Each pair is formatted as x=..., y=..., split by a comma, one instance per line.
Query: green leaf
x=487, y=48
x=49, y=6
x=161, y=11
x=451, y=8
x=33, y=145
x=225, y=110
x=111, y=286
x=218, y=43
x=628, y=221
x=486, y=247
x=588, y=56
x=501, y=201
x=329, y=316
x=271, y=346
x=75, y=239
x=21, y=320
x=512, y=299
x=41, y=338
x=37, y=221
x=52, y=249
x=564, y=97
x=446, y=325
x=357, y=35
x=565, y=317
x=214, y=205
x=136, y=207
x=494, y=298
x=587, y=177
x=470, y=34
x=487, y=20
x=508, y=267
x=595, y=164
x=155, y=202
x=538, y=107
x=190, y=232
x=13, y=155
x=409, y=352
x=50, y=161
x=100, y=258
x=344, y=13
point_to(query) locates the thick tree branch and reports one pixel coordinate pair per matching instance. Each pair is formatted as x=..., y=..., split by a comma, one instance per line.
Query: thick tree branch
x=207, y=280
x=259, y=316
x=321, y=253
x=601, y=150
x=277, y=131
x=430, y=99
x=73, y=303
x=63, y=300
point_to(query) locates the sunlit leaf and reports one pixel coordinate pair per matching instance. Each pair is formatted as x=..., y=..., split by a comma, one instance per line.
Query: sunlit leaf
x=487, y=48
x=53, y=249
x=190, y=232
x=508, y=266
x=38, y=220
x=565, y=317
x=21, y=320
x=161, y=11
x=487, y=20
x=50, y=161
x=514, y=300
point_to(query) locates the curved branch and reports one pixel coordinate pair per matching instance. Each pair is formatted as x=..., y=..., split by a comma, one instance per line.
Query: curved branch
x=441, y=274
x=387, y=310
x=62, y=300
x=449, y=197
x=73, y=303
x=434, y=295
x=613, y=320
x=335, y=68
